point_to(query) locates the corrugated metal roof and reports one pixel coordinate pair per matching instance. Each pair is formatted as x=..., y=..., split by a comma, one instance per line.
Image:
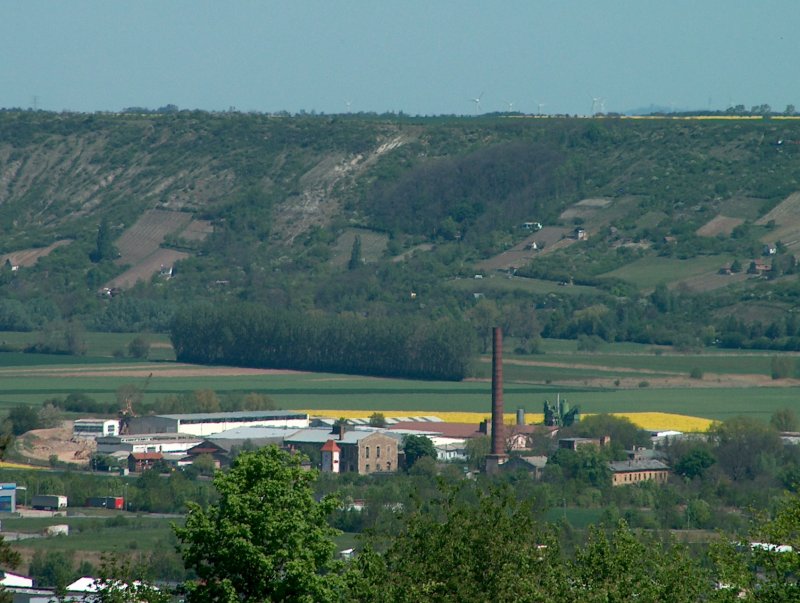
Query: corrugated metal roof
x=320, y=436
x=237, y=415
x=253, y=433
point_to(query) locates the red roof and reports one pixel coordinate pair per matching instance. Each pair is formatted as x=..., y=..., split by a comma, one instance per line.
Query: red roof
x=330, y=446
x=147, y=456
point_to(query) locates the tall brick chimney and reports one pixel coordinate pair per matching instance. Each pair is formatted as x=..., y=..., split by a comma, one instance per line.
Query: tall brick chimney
x=498, y=432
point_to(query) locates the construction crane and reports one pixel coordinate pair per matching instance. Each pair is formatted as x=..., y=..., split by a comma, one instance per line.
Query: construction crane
x=126, y=413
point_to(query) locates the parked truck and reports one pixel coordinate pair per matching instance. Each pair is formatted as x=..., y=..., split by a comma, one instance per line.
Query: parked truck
x=49, y=502
x=106, y=502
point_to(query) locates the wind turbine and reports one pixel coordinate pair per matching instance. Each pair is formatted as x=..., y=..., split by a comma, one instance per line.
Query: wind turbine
x=477, y=102
x=510, y=106
x=348, y=103
x=595, y=104
x=539, y=107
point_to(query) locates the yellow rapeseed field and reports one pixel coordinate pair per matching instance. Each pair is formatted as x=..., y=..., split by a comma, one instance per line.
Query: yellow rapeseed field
x=652, y=421
x=7, y=465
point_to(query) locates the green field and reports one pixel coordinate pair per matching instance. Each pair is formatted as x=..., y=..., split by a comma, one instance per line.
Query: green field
x=648, y=272
x=98, y=344
x=95, y=534
x=527, y=386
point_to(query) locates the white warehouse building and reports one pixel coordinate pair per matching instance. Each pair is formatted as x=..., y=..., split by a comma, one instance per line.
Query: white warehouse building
x=164, y=443
x=94, y=428
x=204, y=424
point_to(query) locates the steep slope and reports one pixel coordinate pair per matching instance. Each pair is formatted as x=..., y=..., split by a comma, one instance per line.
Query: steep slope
x=263, y=208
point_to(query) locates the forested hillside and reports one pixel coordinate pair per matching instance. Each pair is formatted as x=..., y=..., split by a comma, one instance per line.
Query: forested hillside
x=679, y=231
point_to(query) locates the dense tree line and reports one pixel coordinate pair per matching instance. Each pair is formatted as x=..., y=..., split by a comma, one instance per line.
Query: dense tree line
x=462, y=541
x=250, y=335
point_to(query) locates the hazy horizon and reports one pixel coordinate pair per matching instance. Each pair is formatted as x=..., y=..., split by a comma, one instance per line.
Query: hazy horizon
x=415, y=57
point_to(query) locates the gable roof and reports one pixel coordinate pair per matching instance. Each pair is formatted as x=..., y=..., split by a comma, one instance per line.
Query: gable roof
x=206, y=447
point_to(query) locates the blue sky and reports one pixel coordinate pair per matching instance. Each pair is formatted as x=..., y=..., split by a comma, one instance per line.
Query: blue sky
x=420, y=57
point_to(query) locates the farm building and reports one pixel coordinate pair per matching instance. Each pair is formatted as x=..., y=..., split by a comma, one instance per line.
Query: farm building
x=94, y=428
x=205, y=424
x=624, y=473
x=153, y=442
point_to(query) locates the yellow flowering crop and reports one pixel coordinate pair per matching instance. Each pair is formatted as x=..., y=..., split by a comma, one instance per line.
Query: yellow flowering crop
x=8, y=465
x=652, y=421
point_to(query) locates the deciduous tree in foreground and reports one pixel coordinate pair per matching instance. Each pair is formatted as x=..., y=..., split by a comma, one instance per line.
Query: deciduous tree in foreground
x=267, y=539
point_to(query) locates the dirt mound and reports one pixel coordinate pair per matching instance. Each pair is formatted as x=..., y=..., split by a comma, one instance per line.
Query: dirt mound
x=41, y=444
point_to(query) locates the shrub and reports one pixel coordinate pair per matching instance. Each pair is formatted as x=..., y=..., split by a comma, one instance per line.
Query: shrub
x=782, y=367
x=588, y=343
x=139, y=347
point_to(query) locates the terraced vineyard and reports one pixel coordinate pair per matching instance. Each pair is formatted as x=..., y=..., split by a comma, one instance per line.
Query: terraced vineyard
x=140, y=246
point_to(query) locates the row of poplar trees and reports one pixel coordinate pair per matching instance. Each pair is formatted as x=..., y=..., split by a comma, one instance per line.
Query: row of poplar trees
x=254, y=336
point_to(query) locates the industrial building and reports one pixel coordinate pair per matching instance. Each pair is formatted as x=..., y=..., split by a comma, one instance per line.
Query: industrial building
x=94, y=428
x=205, y=424
x=150, y=442
x=8, y=498
x=633, y=472
x=359, y=451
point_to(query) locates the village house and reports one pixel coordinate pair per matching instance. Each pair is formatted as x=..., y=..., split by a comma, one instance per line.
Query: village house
x=141, y=461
